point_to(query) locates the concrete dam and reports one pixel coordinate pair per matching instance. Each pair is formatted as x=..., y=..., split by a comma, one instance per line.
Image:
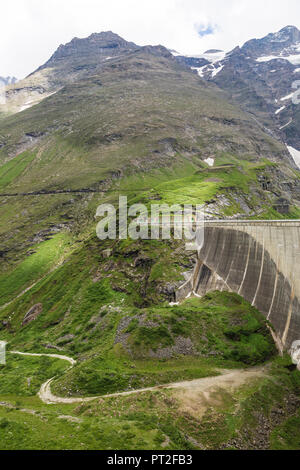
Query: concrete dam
x=260, y=260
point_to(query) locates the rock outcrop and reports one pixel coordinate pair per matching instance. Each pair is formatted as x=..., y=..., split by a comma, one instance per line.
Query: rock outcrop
x=32, y=314
x=260, y=77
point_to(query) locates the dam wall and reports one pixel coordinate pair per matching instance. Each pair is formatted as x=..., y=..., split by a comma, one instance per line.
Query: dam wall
x=260, y=260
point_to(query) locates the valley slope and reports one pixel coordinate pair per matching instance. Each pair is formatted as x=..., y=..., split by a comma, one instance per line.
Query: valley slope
x=103, y=118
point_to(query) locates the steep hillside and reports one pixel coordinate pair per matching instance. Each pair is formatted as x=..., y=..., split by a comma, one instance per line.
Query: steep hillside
x=79, y=58
x=141, y=122
x=260, y=77
x=105, y=118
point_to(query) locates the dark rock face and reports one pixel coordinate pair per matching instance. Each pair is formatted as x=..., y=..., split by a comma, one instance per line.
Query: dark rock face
x=168, y=291
x=273, y=43
x=268, y=82
x=159, y=51
x=32, y=314
x=282, y=205
x=260, y=77
x=192, y=61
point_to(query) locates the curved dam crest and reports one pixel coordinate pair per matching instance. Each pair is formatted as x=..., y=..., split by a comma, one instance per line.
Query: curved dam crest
x=260, y=260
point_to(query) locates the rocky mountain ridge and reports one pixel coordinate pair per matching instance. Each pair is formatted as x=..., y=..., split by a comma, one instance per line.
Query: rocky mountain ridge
x=262, y=77
x=92, y=50
x=70, y=62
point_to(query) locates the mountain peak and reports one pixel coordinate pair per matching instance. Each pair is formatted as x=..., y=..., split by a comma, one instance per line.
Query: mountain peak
x=274, y=43
x=287, y=34
x=93, y=49
x=158, y=50
x=106, y=35
x=289, y=29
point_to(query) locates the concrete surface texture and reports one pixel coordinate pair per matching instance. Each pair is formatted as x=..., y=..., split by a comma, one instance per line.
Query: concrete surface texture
x=260, y=260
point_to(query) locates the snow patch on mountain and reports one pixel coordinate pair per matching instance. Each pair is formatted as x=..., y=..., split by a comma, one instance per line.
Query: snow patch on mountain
x=295, y=154
x=25, y=106
x=211, y=161
x=287, y=124
x=175, y=53
x=280, y=109
x=293, y=59
x=288, y=97
x=200, y=70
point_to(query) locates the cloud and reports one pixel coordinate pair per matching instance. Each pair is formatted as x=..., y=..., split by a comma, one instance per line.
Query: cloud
x=31, y=30
x=205, y=30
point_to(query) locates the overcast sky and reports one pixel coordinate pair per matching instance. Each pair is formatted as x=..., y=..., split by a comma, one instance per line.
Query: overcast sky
x=31, y=30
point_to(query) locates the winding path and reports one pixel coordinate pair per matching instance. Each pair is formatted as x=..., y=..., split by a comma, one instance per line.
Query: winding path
x=227, y=378
x=55, y=356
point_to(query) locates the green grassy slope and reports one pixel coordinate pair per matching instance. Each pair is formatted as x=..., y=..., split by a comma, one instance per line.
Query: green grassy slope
x=22, y=376
x=141, y=127
x=106, y=323
x=257, y=415
x=140, y=114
